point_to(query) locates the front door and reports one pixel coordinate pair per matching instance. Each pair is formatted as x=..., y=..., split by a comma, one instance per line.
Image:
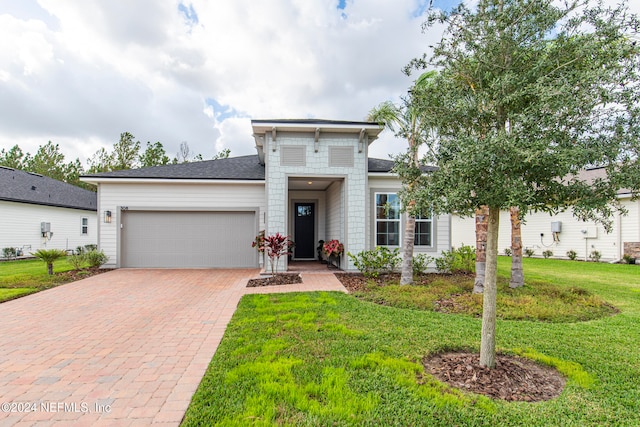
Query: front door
x=304, y=233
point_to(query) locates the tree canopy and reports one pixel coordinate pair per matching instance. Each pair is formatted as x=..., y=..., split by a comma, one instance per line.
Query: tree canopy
x=528, y=94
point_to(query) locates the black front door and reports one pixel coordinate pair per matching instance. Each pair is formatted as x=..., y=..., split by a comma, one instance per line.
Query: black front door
x=304, y=233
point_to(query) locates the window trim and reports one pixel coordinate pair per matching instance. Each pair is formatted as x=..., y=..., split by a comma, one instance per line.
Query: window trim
x=84, y=226
x=386, y=220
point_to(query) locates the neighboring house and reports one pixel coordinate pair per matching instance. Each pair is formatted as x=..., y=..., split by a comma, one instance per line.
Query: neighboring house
x=563, y=232
x=311, y=179
x=38, y=212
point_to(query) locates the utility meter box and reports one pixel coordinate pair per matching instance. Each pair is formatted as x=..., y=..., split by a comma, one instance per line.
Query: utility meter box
x=556, y=227
x=45, y=227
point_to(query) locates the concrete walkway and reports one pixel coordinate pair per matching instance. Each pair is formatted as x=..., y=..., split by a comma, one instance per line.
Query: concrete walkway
x=123, y=348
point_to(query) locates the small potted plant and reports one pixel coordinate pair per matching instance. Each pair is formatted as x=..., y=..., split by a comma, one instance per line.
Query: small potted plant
x=333, y=249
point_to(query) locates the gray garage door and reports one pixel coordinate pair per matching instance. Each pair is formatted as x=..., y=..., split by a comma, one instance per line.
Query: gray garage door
x=188, y=239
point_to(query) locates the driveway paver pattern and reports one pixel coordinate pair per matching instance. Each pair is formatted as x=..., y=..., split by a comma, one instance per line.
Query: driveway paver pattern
x=123, y=348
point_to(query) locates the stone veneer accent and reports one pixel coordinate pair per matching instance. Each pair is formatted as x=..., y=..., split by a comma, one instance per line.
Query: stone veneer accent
x=317, y=165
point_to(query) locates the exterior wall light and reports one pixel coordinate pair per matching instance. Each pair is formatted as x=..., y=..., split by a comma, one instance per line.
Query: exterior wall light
x=107, y=217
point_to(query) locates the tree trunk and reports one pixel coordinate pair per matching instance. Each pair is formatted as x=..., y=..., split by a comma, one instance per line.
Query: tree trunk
x=50, y=268
x=406, y=277
x=488, y=340
x=482, y=218
x=517, y=274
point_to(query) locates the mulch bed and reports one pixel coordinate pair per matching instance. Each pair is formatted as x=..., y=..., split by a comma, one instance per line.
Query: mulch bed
x=355, y=282
x=513, y=379
x=275, y=280
x=73, y=275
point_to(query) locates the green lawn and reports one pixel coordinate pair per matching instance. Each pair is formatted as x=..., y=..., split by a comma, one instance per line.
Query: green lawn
x=331, y=359
x=23, y=277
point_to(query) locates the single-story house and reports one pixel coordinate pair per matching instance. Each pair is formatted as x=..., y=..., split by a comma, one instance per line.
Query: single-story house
x=38, y=212
x=310, y=179
x=563, y=232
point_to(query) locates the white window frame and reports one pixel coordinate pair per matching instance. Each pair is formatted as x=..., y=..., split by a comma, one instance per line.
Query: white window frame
x=84, y=225
x=387, y=219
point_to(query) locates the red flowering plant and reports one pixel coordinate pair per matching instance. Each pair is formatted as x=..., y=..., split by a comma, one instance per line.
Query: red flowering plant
x=258, y=242
x=333, y=248
x=276, y=246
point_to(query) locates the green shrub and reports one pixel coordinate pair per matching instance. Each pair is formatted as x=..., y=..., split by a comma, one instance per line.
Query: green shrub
x=376, y=261
x=49, y=256
x=421, y=263
x=95, y=258
x=461, y=260
x=629, y=259
x=77, y=260
x=547, y=254
x=9, y=252
x=91, y=247
x=573, y=255
x=529, y=252
x=595, y=256
x=507, y=251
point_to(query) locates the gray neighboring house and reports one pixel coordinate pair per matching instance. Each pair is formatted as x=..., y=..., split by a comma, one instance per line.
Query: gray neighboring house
x=310, y=179
x=38, y=212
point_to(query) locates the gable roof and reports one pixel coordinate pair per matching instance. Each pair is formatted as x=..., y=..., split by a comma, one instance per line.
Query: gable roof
x=26, y=187
x=233, y=168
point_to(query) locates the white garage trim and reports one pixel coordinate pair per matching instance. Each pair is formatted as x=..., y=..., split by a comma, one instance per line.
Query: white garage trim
x=187, y=238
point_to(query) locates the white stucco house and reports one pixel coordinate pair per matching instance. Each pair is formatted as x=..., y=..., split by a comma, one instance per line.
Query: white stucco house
x=310, y=179
x=563, y=232
x=38, y=212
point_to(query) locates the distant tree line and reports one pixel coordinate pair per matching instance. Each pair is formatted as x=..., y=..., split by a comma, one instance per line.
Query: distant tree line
x=125, y=154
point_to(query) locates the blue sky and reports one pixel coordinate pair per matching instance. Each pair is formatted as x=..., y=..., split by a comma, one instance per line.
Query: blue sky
x=80, y=73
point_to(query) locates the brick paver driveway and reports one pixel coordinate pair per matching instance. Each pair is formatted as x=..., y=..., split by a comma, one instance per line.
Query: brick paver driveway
x=127, y=347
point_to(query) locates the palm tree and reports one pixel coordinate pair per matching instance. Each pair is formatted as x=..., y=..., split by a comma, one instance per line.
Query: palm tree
x=49, y=256
x=408, y=121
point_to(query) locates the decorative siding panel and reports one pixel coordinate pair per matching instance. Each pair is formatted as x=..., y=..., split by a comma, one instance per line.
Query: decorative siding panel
x=340, y=157
x=291, y=155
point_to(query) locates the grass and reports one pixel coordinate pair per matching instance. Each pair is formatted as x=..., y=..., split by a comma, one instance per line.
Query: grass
x=537, y=300
x=332, y=359
x=24, y=277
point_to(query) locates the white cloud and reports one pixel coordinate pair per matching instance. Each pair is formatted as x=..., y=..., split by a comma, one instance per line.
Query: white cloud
x=79, y=74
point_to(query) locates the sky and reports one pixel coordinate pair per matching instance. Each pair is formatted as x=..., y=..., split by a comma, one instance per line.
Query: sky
x=80, y=73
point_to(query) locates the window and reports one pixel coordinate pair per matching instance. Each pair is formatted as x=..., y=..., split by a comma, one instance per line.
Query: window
x=424, y=231
x=85, y=226
x=387, y=219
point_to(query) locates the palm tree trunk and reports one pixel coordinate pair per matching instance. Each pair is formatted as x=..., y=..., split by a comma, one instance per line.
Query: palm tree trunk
x=50, y=268
x=482, y=218
x=406, y=277
x=517, y=274
x=488, y=339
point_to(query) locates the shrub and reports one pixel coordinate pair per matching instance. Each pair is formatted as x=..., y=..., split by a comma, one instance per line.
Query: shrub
x=529, y=252
x=49, y=256
x=573, y=255
x=629, y=259
x=95, y=258
x=376, y=261
x=548, y=253
x=9, y=252
x=507, y=251
x=595, y=256
x=77, y=260
x=421, y=263
x=461, y=260
x=91, y=247
x=276, y=246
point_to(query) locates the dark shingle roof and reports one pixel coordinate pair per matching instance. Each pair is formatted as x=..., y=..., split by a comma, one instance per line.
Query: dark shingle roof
x=240, y=168
x=26, y=187
x=243, y=168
